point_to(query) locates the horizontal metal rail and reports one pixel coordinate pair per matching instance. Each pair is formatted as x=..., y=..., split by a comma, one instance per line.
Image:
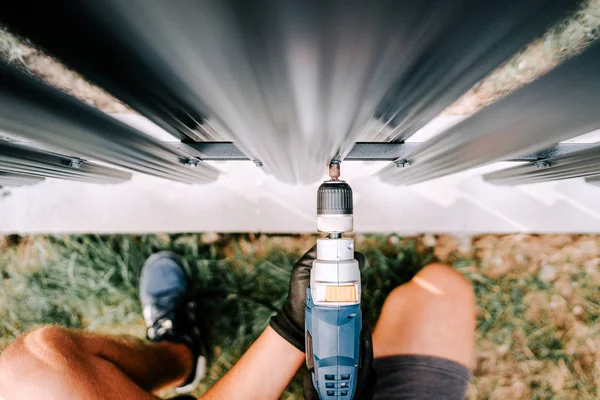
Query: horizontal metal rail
x=32, y=110
x=578, y=164
x=228, y=151
x=14, y=180
x=292, y=83
x=362, y=151
x=561, y=104
x=18, y=159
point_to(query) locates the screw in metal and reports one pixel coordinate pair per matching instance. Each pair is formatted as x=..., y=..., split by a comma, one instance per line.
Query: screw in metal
x=191, y=163
x=401, y=163
x=334, y=170
x=258, y=163
x=75, y=163
x=542, y=164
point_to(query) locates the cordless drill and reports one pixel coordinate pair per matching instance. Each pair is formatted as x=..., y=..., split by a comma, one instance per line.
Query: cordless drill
x=333, y=315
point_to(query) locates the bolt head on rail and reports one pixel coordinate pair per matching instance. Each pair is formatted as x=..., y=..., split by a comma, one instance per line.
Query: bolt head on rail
x=401, y=163
x=191, y=163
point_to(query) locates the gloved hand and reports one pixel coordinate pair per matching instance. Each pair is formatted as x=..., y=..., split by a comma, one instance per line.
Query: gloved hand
x=289, y=324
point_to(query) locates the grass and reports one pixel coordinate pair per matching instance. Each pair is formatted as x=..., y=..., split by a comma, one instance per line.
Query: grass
x=91, y=282
x=538, y=302
x=564, y=40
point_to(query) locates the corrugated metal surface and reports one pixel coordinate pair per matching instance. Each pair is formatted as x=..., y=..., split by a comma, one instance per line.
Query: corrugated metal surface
x=578, y=164
x=560, y=105
x=19, y=159
x=292, y=83
x=10, y=179
x=37, y=112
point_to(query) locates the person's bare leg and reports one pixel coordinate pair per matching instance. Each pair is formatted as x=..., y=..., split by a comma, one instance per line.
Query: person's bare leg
x=433, y=315
x=55, y=363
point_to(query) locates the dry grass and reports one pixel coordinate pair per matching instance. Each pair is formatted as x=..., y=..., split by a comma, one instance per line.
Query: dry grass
x=538, y=302
x=560, y=43
x=24, y=55
x=538, y=308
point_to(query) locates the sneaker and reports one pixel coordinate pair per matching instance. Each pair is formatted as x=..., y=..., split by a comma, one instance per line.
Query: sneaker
x=168, y=301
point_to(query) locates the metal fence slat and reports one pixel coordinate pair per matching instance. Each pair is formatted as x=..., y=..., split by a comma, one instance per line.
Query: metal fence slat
x=560, y=105
x=14, y=180
x=23, y=160
x=32, y=110
x=578, y=164
x=483, y=35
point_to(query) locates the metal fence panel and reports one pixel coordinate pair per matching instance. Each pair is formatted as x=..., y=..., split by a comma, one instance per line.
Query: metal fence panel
x=479, y=39
x=578, y=164
x=560, y=105
x=292, y=83
x=35, y=111
x=11, y=179
x=18, y=159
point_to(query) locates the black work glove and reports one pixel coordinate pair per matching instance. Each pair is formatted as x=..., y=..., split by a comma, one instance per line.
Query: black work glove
x=289, y=324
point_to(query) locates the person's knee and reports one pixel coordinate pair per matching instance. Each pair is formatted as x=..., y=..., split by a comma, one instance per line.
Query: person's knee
x=435, y=282
x=443, y=280
x=52, y=341
x=45, y=347
x=433, y=314
x=43, y=341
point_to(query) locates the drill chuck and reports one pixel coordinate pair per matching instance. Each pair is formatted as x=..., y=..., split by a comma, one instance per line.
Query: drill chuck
x=334, y=207
x=334, y=197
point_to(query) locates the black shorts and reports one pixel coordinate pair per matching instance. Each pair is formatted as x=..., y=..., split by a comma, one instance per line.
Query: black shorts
x=416, y=378
x=420, y=377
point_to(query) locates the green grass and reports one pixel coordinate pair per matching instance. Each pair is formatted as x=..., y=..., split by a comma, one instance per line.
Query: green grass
x=538, y=304
x=90, y=282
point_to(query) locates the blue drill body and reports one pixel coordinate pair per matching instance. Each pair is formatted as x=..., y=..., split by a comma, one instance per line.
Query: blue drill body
x=333, y=334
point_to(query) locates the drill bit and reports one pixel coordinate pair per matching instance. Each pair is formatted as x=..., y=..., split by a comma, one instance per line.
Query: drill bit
x=334, y=170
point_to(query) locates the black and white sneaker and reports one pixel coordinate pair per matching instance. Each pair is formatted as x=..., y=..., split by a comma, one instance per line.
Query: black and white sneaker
x=170, y=311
